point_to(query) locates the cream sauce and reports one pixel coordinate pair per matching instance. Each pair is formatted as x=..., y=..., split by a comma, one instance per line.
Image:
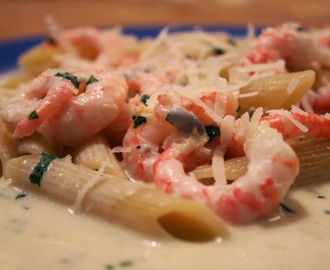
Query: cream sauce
x=37, y=233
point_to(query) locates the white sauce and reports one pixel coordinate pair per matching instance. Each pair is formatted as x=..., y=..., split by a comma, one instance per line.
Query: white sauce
x=38, y=234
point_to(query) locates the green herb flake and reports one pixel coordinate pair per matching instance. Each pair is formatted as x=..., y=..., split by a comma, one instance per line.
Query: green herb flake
x=33, y=115
x=139, y=120
x=321, y=197
x=68, y=76
x=144, y=99
x=91, y=79
x=212, y=131
x=20, y=195
x=125, y=263
x=286, y=208
x=327, y=212
x=109, y=267
x=42, y=166
x=218, y=51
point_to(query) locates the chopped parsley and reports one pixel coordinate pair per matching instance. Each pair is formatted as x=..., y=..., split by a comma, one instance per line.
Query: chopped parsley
x=212, y=131
x=217, y=51
x=138, y=120
x=33, y=115
x=144, y=99
x=286, y=208
x=91, y=79
x=68, y=76
x=321, y=197
x=125, y=263
x=42, y=166
x=120, y=265
x=20, y=195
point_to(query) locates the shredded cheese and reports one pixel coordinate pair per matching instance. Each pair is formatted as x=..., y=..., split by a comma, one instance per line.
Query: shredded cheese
x=289, y=116
x=218, y=162
x=88, y=187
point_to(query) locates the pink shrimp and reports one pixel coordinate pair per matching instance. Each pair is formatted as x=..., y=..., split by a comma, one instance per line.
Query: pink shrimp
x=171, y=112
x=319, y=101
x=296, y=123
x=289, y=123
x=88, y=47
x=293, y=44
x=144, y=138
x=271, y=171
x=70, y=106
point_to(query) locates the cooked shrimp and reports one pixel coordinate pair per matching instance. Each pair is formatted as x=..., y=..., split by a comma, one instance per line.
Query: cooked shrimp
x=319, y=101
x=144, y=139
x=297, y=122
x=289, y=123
x=81, y=47
x=174, y=112
x=68, y=106
x=293, y=44
x=271, y=171
x=93, y=47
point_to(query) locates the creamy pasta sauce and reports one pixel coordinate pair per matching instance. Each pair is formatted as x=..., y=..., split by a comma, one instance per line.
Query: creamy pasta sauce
x=37, y=233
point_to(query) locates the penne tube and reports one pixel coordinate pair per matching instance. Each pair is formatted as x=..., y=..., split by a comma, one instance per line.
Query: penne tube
x=36, y=144
x=314, y=157
x=313, y=154
x=130, y=203
x=7, y=148
x=96, y=153
x=39, y=58
x=276, y=92
x=234, y=168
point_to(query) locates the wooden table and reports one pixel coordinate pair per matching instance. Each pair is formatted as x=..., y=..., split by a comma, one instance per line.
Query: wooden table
x=25, y=17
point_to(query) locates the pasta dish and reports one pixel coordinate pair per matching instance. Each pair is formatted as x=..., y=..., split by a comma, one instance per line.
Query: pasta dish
x=186, y=134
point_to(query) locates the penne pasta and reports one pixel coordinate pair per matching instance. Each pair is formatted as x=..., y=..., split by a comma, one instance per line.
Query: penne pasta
x=39, y=58
x=130, y=203
x=36, y=144
x=276, y=92
x=234, y=168
x=313, y=154
x=95, y=153
x=7, y=149
x=314, y=157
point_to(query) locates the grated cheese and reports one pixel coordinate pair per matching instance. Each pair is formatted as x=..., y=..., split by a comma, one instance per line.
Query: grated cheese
x=250, y=94
x=163, y=35
x=121, y=149
x=56, y=33
x=218, y=162
x=289, y=116
x=306, y=104
x=87, y=187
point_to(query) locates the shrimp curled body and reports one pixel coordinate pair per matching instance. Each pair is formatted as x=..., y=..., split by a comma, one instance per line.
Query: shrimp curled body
x=68, y=107
x=271, y=171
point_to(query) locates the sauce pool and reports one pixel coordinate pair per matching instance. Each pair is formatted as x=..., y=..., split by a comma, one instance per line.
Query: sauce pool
x=37, y=233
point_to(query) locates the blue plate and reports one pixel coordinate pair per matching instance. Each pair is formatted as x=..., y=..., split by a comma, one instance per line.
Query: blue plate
x=11, y=49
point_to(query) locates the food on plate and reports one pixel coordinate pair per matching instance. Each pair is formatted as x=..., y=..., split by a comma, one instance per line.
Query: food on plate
x=191, y=127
